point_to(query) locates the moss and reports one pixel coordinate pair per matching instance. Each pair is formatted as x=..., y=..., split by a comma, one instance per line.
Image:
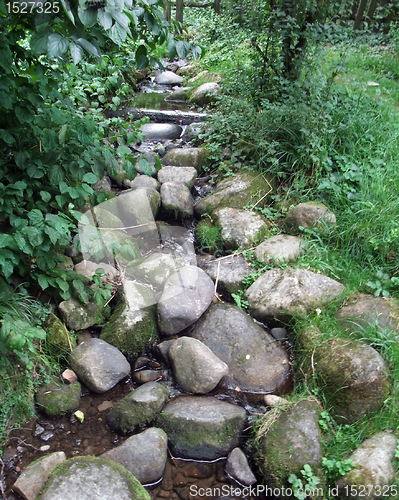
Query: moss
x=56, y=399
x=58, y=339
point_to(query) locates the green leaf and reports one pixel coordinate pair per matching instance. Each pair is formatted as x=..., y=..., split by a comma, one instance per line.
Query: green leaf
x=49, y=140
x=56, y=45
x=62, y=133
x=141, y=57
x=90, y=178
x=45, y=196
x=182, y=48
x=117, y=34
x=105, y=18
x=145, y=166
x=90, y=124
x=121, y=19
x=35, y=236
x=36, y=217
x=89, y=47
x=197, y=51
x=34, y=172
x=88, y=17
x=158, y=164
x=5, y=240
x=76, y=52
x=61, y=200
x=122, y=151
x=116, y=100
x=68, y=11
x=6, y=137
x=43, y=281
x=39, y=42
x=171, y=47
x=24, y=114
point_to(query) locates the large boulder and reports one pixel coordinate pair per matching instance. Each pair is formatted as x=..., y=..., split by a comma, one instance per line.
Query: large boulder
x=161, y=131
x=288, y=438
x=202, y=428
x=92, y=478
x=183, y=175
x=356, y=378
x=309, y=215
x=186, y=296
x=205, y=94
x=229, y=272
x=99, y=365
x=257, y=363
x=373, y=471
x=281, y=294
x=138, y=408
x=240, y=228
x=189, y=157
x=144, y=455
x=168, y=78
x=132, y=327
x=177, y=201
x=195, y=366
x=56, y=399
x=78, y=316
x=279, y=248
x=237, y=467
x=138, y=206
x=236, y=192
x=142, y=181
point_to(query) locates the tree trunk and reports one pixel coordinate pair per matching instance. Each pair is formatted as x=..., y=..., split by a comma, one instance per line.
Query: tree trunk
x=216, y=6
x=167, y=10
x=179, y=11
x=359, y=14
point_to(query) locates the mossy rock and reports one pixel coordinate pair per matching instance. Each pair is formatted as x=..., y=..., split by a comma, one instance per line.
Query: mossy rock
x=78, y=316
x=58, y=340
x=56, y=399
x=106, y=219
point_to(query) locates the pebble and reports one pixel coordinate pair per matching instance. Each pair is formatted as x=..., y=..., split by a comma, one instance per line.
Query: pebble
x=140, y=362
x=147, y=376
x=38, y=430
x=46, y=436
x=45, y=447
x=69, y=376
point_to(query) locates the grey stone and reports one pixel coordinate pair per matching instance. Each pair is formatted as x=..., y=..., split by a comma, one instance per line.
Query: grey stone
x=195, y=366
x=205, y=94
x=188, y=157
x=163, y=350
x=181, y=94
x=92, y=478
x=202, y=428
x=144, y=455
x=138, y=408
x=56, y=399
x=192, y=132
x=99, y=365
x=132, y=327
x=237, y=467
x=33, y=478
x=279, y=248
x=139, y=206
x=102, y=185
x=257, y=363
x=309, y=215
x=183, y=175
x=186, y=296
x=279, y=333
x=78, y=316
x=168, y=78
x=177, y=200
x=142, y=181
x=282, y=294
x=88, y=269
x=145, y=376
x=373, y=468
x=230, y=272
x=356, y=376
x=188, y=70
x=161, y=131
x=240, y=228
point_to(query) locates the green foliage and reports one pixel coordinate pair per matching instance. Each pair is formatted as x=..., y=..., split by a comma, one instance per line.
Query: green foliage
x=298, y=486
x=239, y=299
x=336, y=468
x=209, y=236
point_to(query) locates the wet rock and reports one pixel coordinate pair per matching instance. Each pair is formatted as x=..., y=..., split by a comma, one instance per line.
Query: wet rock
x=237, y=467
x=183, y=175
x=230, y=272
x=279, y=248
x=132, y=327
x=138, y=408
x=282, y=294
x=162, y=350
x=34, y=477
x=195, y=366
x=91, y=478
x=257, y=363
x=188, y=157
x=309, y=215
x=161, y=131
x=366, y=310
x=356, y=377
x=142, y=181
x=293, y=439
x=279, y=333
x=236, y=192
x=240, y=228
x=144, y=455
x=144, y=376
x=139, y=206
x=373, y=467
x=102, y=185
x=58, y=338
x=99, y=365
x=56, y=399
x=202, y=428
x=168, y=78
x=177, y=200
x=78, y=316
x=178, y=241
x=205, y=94
x=186, y=296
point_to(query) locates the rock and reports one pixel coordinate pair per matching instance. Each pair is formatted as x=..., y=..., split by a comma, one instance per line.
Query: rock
x=103, y=185
x=192, y=132
x=202, y=428
x=34, y=476
x=282, y=294
x=310, y=215
x=154, y=270
x=99, y=365
x=88, y=269
x=373, y=467
x=366, y=310
x=139, y=206
x=142, y=181
x=240, y=228
x=279, y=333
x=132, y=327
x=186, y=296
x=292, y=440
x=106, y=217
x=230, y=272
x=356, y=378
x=183, y=175
x=279, y=248
x=92, y=478
x=257, y=363
x=168, y=78
x=177, y=200
x=138, y=408
x=78, y=316
x=237, y=467
x=58, y=338
x=56, y=399
x=144, y=376
x=69, y=376
x=205, y=76
x=144, y=455
x=189, y=157
x=180, y=94
x=205, y=94
x=243, y=189
x=195, y=366
x=178, y=241
x=161, y=131
x=162, y=350
x=272, y=400
x=66, y=264
x=188, y=70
